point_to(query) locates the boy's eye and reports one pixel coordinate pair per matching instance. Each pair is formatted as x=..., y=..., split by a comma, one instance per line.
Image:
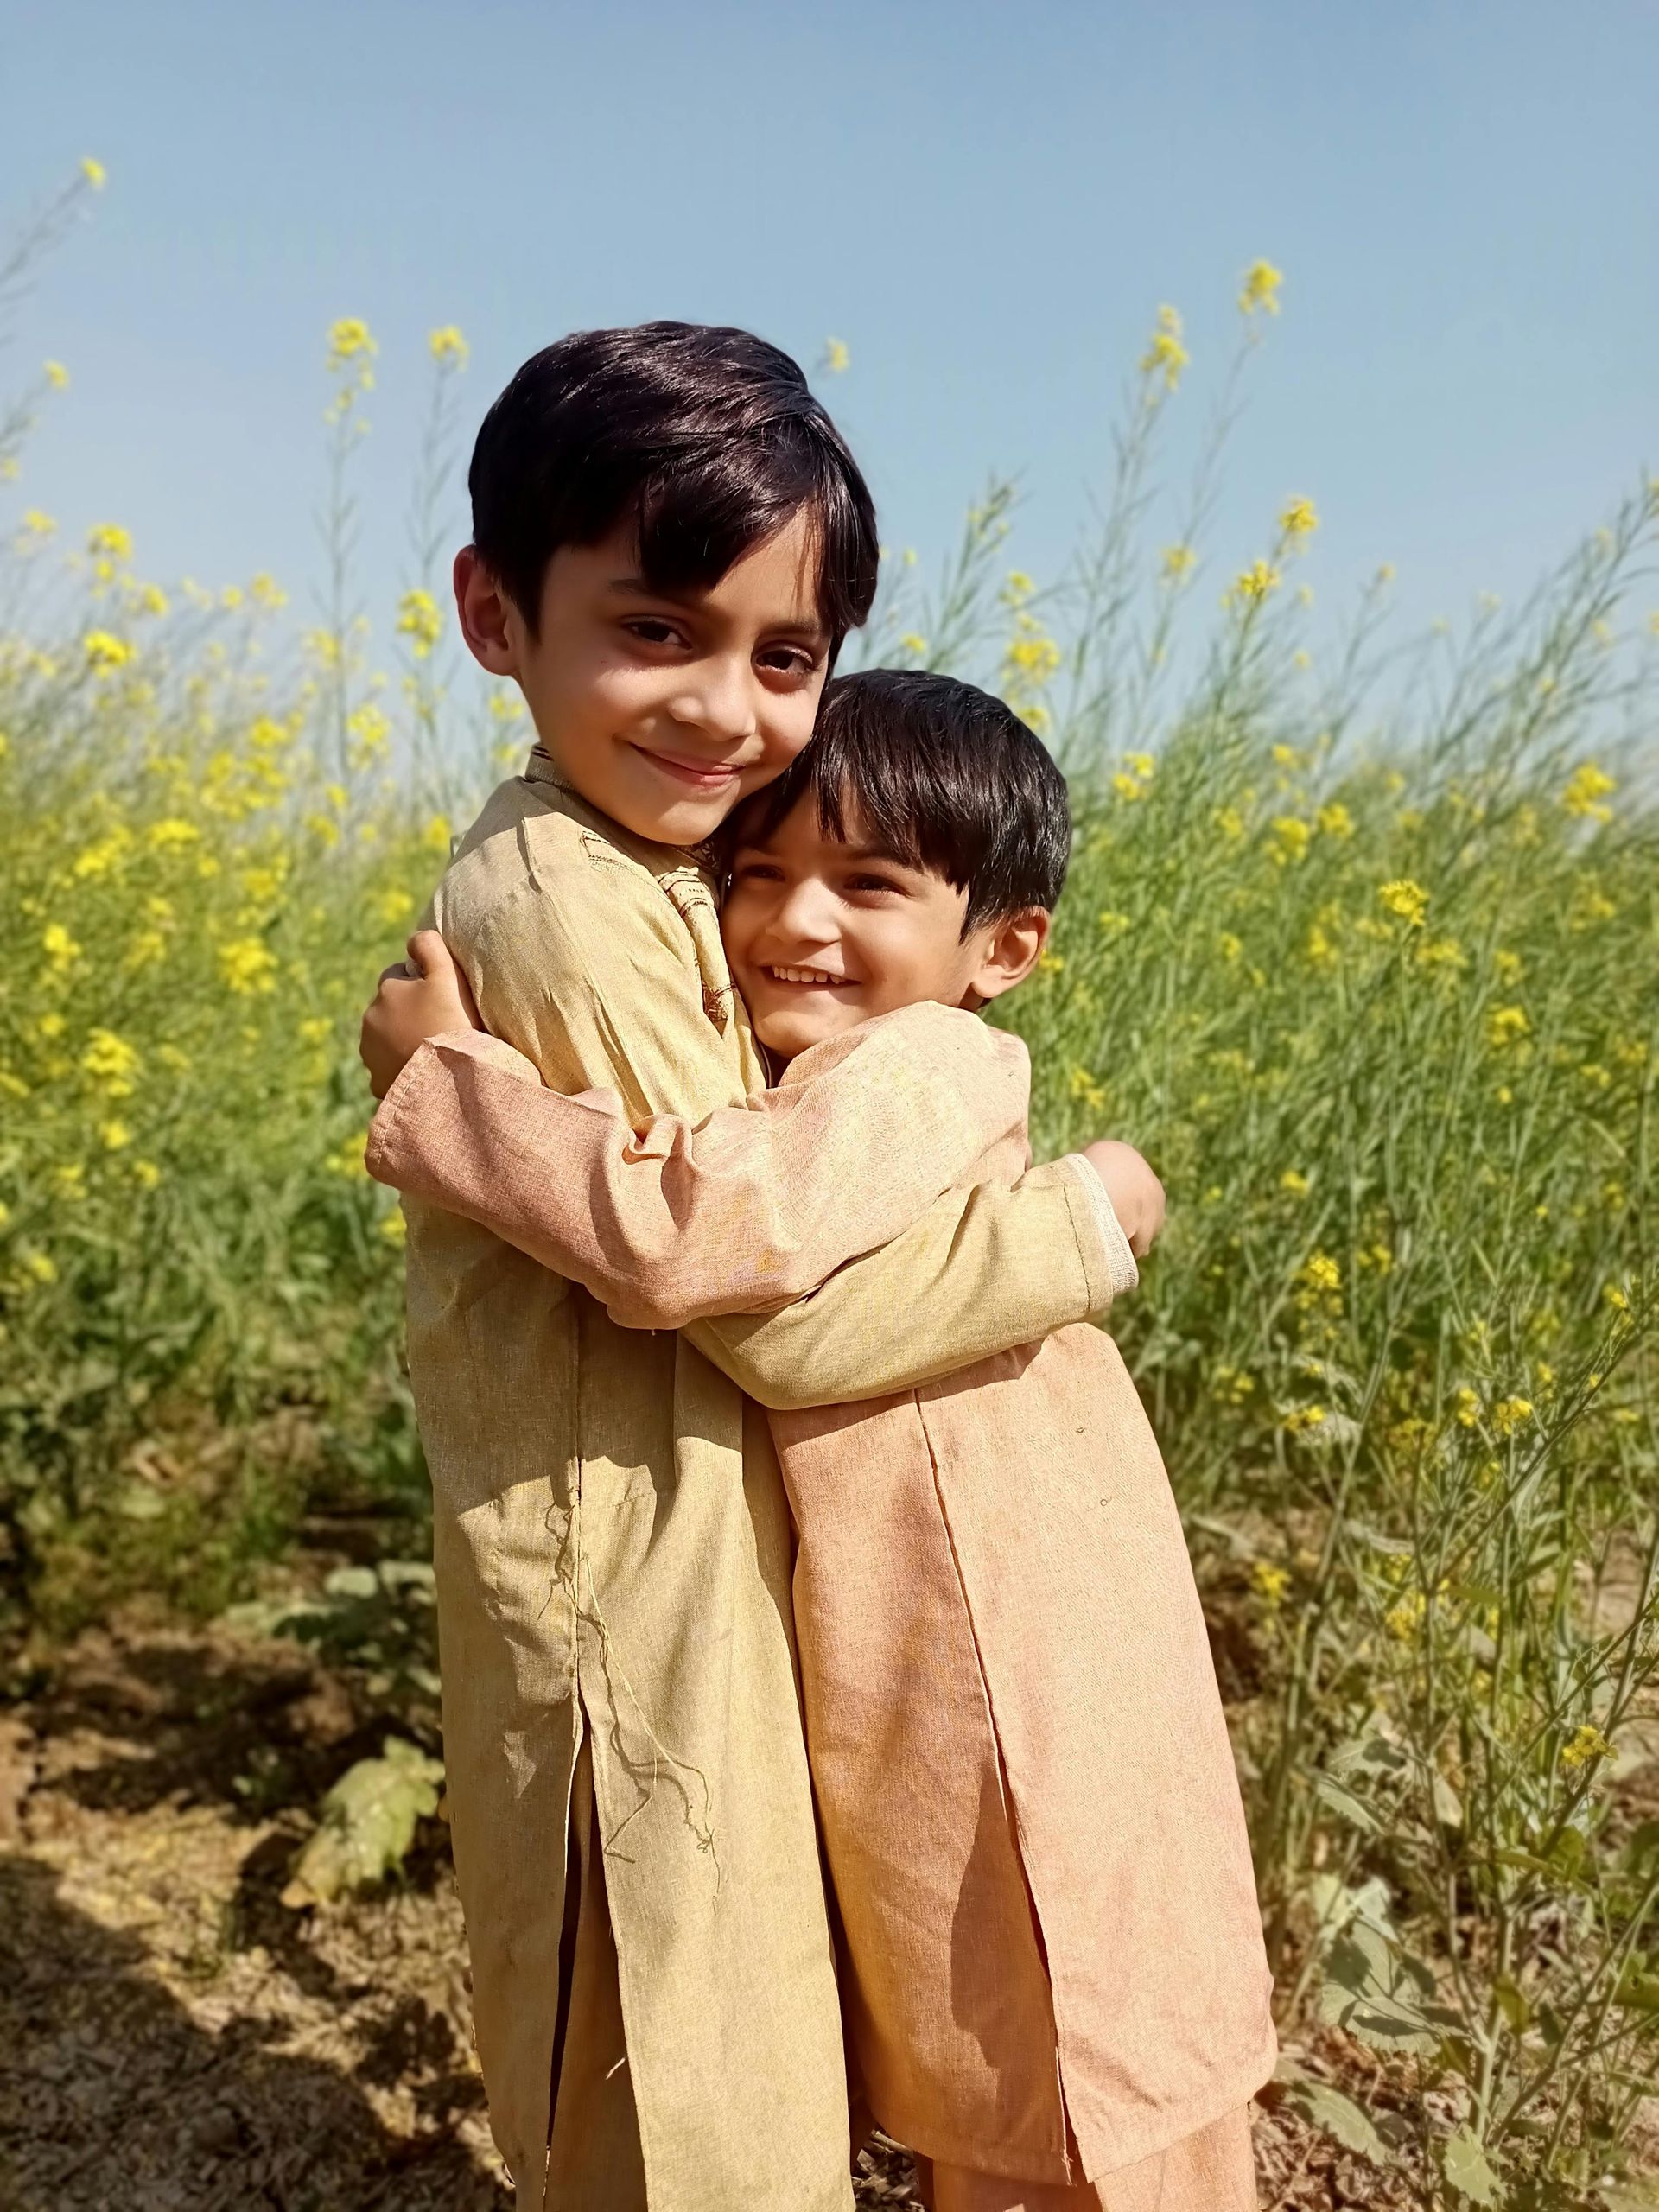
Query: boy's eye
x=869, y=882
x=757, y=872
x=788, y=660
x=652, y=630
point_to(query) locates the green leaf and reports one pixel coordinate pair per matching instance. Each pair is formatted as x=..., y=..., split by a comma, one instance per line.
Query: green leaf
x=1512, y=2003
x=1637, y=1991
x=1464, y=2164
x=367, y=1824
x=1344, y=1801
x=1325, y=2106
x=1380, y=1993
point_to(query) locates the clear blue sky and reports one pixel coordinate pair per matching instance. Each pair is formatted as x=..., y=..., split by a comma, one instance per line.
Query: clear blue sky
x=986, y=202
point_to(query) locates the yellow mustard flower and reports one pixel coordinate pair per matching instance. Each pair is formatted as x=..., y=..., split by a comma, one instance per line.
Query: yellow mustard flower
x=108, y=541
x=55, y=374
x=349, y=340
x=1586, y=789
x=58, y=945
x=420, y=620
x=1257, y=580
x=1405, y=899
x=1300, y=518
x=448, y=347
x=1508, y=1413
x=37, y=523
x=1085, y=1088
x=1303, y=1418
x=348, y=1160
x=1295, y=1182
x=1177, y=562
x=112, y=1064
x=1269, y=1583
x=1261, y=289
x=1507, y=1025
x=1586, y=1743
x=104, y=652
x=837, y=356
x=94, y=172
x=1166, y=355
x=247, y=966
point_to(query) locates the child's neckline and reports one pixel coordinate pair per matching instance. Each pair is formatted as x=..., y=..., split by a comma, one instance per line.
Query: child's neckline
x=542, y=768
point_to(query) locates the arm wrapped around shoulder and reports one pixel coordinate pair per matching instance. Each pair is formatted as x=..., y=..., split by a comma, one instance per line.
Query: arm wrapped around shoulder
x=668, y=1221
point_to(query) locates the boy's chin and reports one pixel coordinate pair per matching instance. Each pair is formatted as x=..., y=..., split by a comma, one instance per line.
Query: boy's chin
x=795, y=1029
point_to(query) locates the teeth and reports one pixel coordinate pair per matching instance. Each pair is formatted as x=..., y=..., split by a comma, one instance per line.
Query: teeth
x=803, y=975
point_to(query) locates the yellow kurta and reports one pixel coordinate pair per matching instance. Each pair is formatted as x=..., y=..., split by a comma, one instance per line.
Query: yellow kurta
x=613, y=1544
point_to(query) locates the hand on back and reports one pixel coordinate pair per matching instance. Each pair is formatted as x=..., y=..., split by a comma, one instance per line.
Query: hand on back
x=1136, y=1194
x=427, y=995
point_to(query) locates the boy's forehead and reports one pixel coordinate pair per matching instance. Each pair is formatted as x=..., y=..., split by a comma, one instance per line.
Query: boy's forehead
x=802, y=828
x=779, y=575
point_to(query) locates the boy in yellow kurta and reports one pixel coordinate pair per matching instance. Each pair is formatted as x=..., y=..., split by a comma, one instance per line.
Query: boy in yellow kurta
x=670, y=541
x=1055, y=1985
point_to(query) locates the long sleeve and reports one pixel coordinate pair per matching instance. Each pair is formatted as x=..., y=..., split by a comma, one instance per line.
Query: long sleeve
x=608, y=994
x=984, y=1270
x=671, y=1221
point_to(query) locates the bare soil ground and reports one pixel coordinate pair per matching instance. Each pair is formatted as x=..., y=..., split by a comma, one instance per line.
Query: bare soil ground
x=175, y=2039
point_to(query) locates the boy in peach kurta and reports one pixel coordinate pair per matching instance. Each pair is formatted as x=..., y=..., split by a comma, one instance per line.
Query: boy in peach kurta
x=1054, y=1982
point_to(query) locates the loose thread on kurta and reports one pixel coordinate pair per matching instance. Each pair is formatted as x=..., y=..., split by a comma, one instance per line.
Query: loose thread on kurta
x=570, y=1565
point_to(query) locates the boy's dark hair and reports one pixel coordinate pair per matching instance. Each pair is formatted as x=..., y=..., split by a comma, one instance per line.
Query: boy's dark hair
x=707, y=440
x=939, y=774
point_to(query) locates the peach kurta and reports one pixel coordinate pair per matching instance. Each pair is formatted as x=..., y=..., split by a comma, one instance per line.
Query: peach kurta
x=1031, y=1816
x=612, y=1549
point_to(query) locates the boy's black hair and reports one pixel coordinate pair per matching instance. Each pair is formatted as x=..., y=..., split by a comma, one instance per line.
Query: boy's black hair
x=707, y=440
x=939, y=774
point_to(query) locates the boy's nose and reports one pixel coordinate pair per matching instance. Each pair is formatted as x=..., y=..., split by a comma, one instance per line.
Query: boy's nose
x=717, y=696
x=803, y=919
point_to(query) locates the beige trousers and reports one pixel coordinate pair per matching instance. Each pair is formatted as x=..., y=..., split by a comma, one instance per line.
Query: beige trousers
x=1210, y=2172
x=593, y=2158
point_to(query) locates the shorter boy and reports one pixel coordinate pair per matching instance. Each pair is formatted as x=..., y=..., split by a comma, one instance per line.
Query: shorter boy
x=1054, y=1983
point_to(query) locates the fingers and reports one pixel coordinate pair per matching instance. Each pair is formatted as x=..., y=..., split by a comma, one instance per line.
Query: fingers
x=429, y=954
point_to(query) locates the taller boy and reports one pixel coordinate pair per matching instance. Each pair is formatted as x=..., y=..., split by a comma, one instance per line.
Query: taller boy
x=670, y=542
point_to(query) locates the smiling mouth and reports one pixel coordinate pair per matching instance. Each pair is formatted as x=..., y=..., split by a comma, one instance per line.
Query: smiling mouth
x=700, y=775
x=816, y=979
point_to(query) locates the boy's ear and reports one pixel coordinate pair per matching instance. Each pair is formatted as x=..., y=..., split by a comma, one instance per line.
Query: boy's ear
x=486, y=615
x=1011, y=950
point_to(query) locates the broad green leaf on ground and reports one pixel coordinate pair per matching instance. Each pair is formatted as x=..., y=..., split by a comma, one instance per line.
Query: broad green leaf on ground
x=1351, y=1809
x=367, y=1824
x=1325, y=2106
x=1464, y=2164
x=1380, y=1993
